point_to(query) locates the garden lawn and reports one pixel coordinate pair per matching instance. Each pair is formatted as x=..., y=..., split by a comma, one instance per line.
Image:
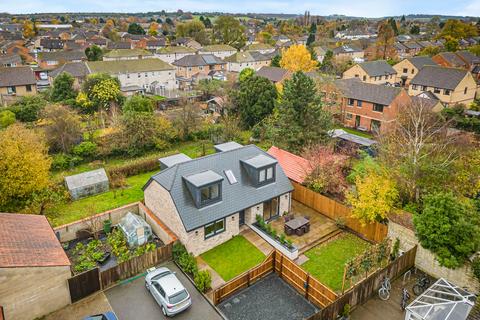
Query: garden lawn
x=79, y=209
x=357, y=132
x=233, y=257
x=326, y=262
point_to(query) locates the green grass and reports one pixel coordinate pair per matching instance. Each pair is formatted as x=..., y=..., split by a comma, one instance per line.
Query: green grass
x=357, y=132
x=233, y=257
x=326, y=262
x=79, y=209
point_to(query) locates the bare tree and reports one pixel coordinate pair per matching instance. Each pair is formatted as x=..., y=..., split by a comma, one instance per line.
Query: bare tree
x=188, y=119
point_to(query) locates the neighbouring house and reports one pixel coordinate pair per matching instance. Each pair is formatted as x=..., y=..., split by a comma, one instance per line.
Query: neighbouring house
x=50, y=60
x=87, y=183
x=263, y=48
x=172, y=54
x=274, y=74
x=413, y=48
x=78, y=70
x=127, y=54
x=145, y=75
x=374, y=72
x=153, y=45
x=218, y=50
x=370, y=107
x=10, y=60
x=295, y=167
x=187, y=42
x=347, y=52
x=17, y=81
x=119, y=45
x=401, y=50
x=409, y=67
x=246, y=59
x=449, y=59
x=320, y=53
x=199, y=65
x=48, y=45
x=472, y=61
x=34, y=268
x=450, y=85
x=205, y=201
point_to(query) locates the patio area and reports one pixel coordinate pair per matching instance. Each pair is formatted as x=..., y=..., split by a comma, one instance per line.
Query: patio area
x=321, y=227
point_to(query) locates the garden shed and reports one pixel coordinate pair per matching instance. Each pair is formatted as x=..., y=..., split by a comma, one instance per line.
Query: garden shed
x=442, y=301
x=87, y=183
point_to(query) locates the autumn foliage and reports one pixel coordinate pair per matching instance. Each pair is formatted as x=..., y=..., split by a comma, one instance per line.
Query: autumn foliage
x=297, y=58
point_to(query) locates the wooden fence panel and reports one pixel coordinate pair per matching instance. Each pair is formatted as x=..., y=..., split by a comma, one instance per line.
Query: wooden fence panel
x=135, y=265
x=375, y=232
x=363, y=290
x=84, y=284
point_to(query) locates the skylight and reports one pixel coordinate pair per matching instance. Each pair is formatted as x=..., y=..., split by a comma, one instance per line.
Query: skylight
x=231, y=178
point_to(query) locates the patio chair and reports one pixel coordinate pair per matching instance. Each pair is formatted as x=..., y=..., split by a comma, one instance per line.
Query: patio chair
x=307, y=217
x=286, y=218
x=306, y=228
x=299, y=232
x=288, y=231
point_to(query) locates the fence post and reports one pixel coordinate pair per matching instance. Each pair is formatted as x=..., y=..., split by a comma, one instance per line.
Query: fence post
x=281, y=265
x=307, y=285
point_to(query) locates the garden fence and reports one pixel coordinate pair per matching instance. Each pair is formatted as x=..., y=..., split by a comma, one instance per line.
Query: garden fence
x=306, y=285
x=91, y=281
x=375, y=231
x=363, y=290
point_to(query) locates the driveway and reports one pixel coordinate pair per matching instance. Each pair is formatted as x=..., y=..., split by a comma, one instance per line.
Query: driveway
x=132, y=301
x=268, y=299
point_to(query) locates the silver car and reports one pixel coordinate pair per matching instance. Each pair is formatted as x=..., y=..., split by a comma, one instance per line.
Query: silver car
x=167, y=290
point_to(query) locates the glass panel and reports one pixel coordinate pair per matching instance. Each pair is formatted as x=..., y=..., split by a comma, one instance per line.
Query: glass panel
x=176, y=298
x=269, y=173
x=219, y=226
x=205, y=194
x=214, y=191
x=261, y=175
x=209, y=230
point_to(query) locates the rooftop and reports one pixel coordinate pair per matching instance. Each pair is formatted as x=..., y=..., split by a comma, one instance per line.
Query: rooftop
x=440, y=77
x=126, y=53
x=231, y=145
x=16, y=76
x=295, y=167
x=86, y=179
x=356, y=89
x=218, y=47
x=124, y=66
x=377, y=68
x=27, y=240
x=172, y=160
x=176, y=49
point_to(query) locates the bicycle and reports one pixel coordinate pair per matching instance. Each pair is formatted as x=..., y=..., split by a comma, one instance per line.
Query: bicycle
x=384, y=291
x=422, y=284
x=405, y=298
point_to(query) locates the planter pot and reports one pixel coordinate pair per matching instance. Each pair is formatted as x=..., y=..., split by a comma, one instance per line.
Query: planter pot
x=291, y=253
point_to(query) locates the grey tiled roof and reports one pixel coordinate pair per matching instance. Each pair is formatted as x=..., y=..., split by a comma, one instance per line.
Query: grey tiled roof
x=195, y=60
x=420, y=61
x=274, y=74
x=227, y=146
x=76, y=69
x=452, y=59
x=377, y=68
x=235, y=197
x=63, y=55
x=356, y=89
x=439, y=77
x=172, y=160
x=16, y=76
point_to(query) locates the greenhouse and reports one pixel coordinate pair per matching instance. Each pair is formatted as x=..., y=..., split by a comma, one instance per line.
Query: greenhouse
x=136, y=230
x=442, y=301
x=87, y=183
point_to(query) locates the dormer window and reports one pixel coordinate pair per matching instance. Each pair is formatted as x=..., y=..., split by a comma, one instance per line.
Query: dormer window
x=210, y=193
x=261, y=169
x=266, y=175
x=205, y=187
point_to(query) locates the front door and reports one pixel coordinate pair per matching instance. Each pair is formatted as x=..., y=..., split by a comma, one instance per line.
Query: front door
x=270, y=209
x=241, y=218
x=357, y=121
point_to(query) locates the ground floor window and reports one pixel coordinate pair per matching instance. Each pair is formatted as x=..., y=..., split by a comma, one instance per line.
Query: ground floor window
x=375, y=126
x=11, y=90
x=214, y=228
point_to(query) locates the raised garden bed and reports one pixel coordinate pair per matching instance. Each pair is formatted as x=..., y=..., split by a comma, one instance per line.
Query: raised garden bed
x=278, y=241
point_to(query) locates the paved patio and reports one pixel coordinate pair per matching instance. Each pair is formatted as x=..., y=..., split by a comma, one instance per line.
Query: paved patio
x=321, y=227
x=94, y=304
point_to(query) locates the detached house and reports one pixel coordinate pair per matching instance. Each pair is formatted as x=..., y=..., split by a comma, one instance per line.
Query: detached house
x=17, y=81
x=375, y=72
x=218, y=50
x=49, y=60
x=197, y=65
x=172, y=54
x=348, y=53
x=409, y=67
x=449, y=85
x=247, y=59
x=150, y=75
x=370, y=107
x=205, y=201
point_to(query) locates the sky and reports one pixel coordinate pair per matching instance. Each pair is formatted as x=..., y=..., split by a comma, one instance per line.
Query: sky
x=363, y=8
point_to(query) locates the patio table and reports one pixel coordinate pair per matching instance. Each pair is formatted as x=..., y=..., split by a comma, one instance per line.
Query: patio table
x=297, y=223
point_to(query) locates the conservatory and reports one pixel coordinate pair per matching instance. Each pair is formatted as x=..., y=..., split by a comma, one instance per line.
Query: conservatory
x=442, y=301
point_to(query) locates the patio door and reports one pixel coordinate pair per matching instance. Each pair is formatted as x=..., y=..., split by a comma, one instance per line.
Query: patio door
x=270, y=209
x=241, y=218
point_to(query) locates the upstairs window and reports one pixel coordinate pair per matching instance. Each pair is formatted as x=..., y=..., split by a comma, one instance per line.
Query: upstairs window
x=414, y=87
x=405, y=70
x=266, y=175
x=436, y=90
x=364, y=78
x=424, y=88
x=359, y=103
x=209, y=194
x=465, y=91
x=351, y=101
x=378, y=107
x=446, y=92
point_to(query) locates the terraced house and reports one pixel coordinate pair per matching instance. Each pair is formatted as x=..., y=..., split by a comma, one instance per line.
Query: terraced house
x=205, y=201
x=408, y=68
x=172, y=54
x=218, y=50
x=449, y=85
x=375, y=72
x=145, y=75
x=199, y=66
x=247, y=59
x=127, y=54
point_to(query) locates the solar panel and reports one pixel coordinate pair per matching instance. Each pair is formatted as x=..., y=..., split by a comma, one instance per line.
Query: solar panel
x=231, y=178
x=209, y=59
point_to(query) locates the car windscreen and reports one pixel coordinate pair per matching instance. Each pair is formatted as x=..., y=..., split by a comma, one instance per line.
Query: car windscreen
x=177, y=297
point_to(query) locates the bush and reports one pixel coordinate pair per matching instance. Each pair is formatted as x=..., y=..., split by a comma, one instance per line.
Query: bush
x=28, y=108
x=185, y=260
x=7, y=118
x=476, y=267
x=85, y=149
x=63, y=161
x=203, y=280
x=135, y=167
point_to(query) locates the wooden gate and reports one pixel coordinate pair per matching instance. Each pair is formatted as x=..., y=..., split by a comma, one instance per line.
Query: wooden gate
x=84, y=284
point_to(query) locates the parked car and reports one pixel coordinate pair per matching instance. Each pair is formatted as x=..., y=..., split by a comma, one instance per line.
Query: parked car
x=167, y=290
x=109, y=315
